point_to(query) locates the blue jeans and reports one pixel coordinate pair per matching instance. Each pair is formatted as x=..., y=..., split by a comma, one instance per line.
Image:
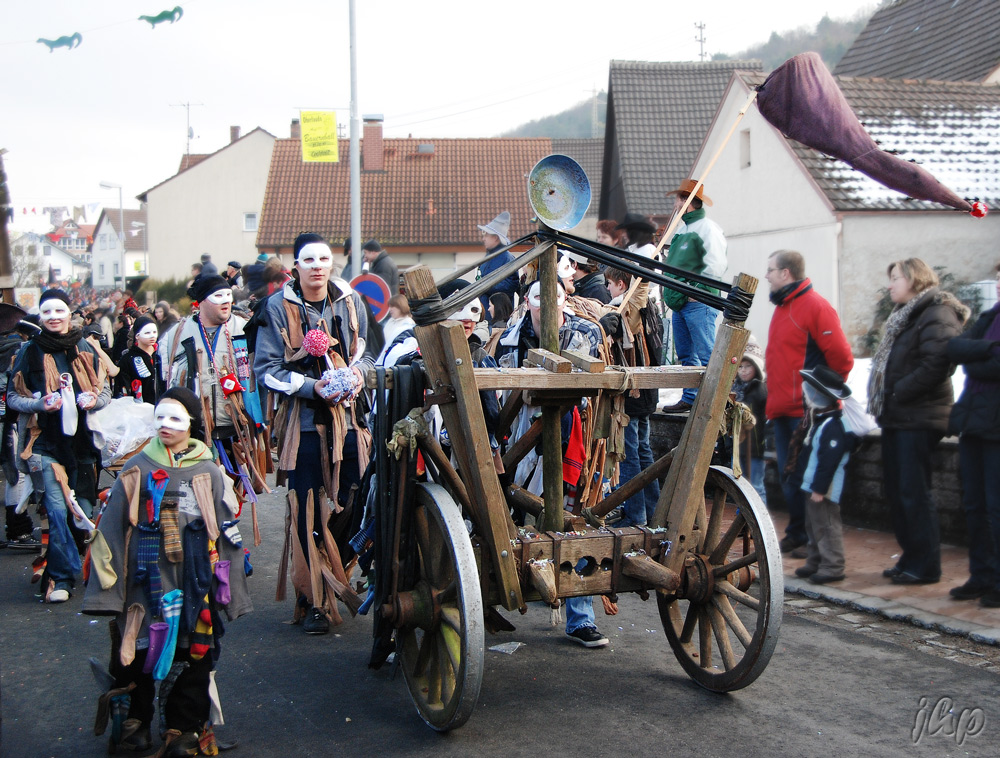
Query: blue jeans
x=640, y=507
x=753, y=469
x=784, y=427
x=62, y=559
x=579, y=613
x=979, y=462
x=694, y=338
x=906, y=463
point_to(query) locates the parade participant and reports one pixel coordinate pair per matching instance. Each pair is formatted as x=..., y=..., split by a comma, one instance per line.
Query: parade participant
x=574, y=334
x=322, y=436
x=233, y=275
x=166, y=559
x=805, y=333
x=587, y=280
x=120, y=344
x=55, y=387
x=494, y=238
x=208, y=354
x=165, y=317
x=138, y=368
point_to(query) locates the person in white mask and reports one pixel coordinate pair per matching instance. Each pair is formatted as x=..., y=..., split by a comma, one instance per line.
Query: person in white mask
x=55, y=379
x=139, y=366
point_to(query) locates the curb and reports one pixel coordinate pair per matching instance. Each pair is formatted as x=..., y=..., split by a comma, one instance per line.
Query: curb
x=893, y=610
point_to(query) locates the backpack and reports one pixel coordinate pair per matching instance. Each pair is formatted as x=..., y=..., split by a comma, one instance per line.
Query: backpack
x=652, y=325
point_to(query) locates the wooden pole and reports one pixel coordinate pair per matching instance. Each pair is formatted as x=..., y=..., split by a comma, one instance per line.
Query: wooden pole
x=6, y=260
x=676, y=220
x=550, y=320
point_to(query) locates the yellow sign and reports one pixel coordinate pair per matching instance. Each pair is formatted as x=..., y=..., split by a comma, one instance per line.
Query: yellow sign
x=319, y=136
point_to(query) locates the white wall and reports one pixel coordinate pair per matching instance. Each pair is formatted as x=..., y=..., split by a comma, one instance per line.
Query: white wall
x=201, y=210
x=107, y=257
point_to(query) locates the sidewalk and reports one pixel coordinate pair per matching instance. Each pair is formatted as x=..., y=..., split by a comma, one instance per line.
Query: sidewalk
x=927, y=605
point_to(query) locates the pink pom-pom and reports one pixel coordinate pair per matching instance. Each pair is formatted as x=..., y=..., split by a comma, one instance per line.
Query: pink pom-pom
x=979, y=209
x=316, y=342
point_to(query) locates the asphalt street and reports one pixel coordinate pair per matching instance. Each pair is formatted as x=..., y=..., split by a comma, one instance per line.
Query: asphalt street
x=827, y=691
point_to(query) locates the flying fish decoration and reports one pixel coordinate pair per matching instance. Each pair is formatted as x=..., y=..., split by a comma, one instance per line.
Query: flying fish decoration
x=69, y=42
x=163, y=16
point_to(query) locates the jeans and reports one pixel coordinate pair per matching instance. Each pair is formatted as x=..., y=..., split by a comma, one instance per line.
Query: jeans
x=906, y=463
x=579, y=613
x=784, y=427
x=979, y=463
x=63, y=559
x=640, y=507
x=694, y=338
x=753, y=469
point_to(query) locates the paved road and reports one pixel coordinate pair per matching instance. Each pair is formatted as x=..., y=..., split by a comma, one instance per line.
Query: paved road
x=828, y=690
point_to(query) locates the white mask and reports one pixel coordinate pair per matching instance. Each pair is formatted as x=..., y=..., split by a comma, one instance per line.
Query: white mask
x=149, y=332
x=170, y=414
x=221, y=297
x=52, y=310
x=315, y=255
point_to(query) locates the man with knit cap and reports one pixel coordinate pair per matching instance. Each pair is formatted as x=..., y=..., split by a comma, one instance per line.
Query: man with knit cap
x=494, y=238
x=380, y=264
x=316, y=331
x=55, y=388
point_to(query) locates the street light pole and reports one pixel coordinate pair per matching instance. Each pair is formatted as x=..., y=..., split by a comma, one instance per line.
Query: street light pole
x=121, y=225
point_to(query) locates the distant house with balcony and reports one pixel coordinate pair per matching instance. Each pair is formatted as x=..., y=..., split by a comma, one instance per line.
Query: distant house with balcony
x=37, y=259
x=106, y=250
x=73, y=238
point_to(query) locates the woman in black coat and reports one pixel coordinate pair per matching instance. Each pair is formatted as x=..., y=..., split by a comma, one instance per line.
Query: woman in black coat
x=910, y=394
x=976, y=418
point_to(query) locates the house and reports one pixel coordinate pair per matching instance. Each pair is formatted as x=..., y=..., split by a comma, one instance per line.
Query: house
x=658, y=114
x=37, y=259
x=955, y=41
x=211, y=205
x=772, y=193
x=422, y=199
x=106, y=250
x=73, y=238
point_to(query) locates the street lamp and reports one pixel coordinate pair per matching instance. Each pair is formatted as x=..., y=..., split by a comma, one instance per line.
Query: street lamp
x=121, y=224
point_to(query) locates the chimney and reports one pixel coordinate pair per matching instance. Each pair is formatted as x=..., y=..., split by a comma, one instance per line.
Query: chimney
x=234, y=134
x=296, y=129
x=372, y=154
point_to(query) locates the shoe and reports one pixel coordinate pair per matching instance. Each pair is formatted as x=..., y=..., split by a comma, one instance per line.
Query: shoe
x=889, y=573
x=804, y=572
x=968, y=591
x=800, y=552
x=60, y=593
x=25, y=543
x=135, y=738
x=181, y=745
x=679, y=407
x=616, y=514
x=315, y=622
x=588, y=636
x=905, y=577
x=991, y=599
x=818, y=578
x=789, y=543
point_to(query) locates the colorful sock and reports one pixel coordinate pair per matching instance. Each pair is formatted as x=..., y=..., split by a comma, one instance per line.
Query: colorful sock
x=223, y=592
x=136, y=613
x=171, y=534
x=99, y=555
x=119, y=712
x=164, y=695
x=157, y=636
x=247, y=566
x=201, y=637
x=197, y=572
x=170, y=608
x=148, y=572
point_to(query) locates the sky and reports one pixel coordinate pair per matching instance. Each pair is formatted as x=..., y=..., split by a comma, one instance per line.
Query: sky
x=111, y=109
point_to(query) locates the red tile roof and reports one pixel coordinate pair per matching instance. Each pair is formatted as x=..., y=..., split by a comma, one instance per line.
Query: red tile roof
x=421, y=198
x=191, y=159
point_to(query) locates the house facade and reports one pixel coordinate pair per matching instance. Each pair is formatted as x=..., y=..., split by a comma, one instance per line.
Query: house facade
x=37, y=259
x=109, y=257
x=212, y=205
x=771, y=193
x=73, y=238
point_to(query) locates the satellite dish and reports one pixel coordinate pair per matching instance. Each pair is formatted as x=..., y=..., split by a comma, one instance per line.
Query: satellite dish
x=190, y=132
x=559, y=192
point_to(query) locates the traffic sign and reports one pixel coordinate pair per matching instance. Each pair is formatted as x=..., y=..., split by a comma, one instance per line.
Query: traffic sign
x=373, y=288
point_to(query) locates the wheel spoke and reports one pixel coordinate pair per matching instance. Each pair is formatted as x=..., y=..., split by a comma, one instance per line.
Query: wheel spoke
x=431, y=545
x=739, y=596
x=447, y=668
x=704, y=637
x=433, y=670
x=715, y=520
x=729, y=614
x=423, y=654
x=722, y=638
x=452, y=644
x=689, y=622
x=721, y=550
x=739, y=563
x=451, y=618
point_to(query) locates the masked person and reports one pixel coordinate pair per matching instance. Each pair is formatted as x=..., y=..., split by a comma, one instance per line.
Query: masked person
x=140, y=364
x=322, y=435
x=165, y=562
x=55, y=389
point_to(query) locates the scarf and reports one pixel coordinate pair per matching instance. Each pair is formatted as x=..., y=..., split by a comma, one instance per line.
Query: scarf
x=50, y=342
x=898, y=320
x=778, y=297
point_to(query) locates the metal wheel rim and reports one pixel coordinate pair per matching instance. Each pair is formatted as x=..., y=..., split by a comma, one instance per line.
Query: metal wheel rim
x=443, y=666
x=752, y=656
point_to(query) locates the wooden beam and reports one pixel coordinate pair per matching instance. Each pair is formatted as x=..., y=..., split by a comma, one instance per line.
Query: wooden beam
x=584, y=362
x=515, y=401
x=610, y=379
x=548, y=361
x=645, y=569
x=520, y=498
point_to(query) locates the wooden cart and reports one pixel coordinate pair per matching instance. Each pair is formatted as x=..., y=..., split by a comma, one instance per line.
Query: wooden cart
x=710, y=556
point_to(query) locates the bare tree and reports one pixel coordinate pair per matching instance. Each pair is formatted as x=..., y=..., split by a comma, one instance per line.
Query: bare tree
x=29, y=268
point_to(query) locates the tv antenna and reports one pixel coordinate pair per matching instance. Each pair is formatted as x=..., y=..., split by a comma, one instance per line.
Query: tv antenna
x=190, y=131
x=700, y=39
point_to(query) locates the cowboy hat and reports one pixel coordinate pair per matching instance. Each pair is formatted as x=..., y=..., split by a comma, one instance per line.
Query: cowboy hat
x=687, y=187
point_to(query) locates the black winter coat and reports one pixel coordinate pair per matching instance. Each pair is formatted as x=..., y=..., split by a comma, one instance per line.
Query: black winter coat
x=977, y=413
x=918, y=391
x=593, y=286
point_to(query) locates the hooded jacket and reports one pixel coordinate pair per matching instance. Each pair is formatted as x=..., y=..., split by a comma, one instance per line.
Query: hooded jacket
x=805, y=332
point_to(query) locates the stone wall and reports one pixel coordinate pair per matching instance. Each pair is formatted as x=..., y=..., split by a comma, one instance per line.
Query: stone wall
x=864, y=503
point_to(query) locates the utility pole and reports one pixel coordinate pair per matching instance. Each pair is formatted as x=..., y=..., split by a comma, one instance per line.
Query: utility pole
x=189, y=133
x=6, y=260
x=355, y=150
x=700, y=39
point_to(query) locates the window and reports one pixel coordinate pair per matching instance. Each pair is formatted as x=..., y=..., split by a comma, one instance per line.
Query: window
x=116, y=269
x=100, y=269
x=249, y=222
x=57, y=273
x=745, y=148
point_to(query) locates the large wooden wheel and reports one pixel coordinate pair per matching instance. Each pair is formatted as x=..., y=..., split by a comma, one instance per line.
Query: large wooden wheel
x=723, y=623
x=441, y=643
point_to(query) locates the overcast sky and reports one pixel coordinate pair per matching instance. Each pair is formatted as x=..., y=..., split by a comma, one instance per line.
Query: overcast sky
x=109, y=110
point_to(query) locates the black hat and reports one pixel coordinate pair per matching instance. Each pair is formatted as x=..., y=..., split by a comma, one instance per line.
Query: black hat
x=10, y=315
x=637, y=221
x=203, y=286
x=372, y=245
x=236, y=264
x=141, y=323
x=450, y=288
x=827, y=381
x=191, y=404
x=306, y=238
x=57, y=294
